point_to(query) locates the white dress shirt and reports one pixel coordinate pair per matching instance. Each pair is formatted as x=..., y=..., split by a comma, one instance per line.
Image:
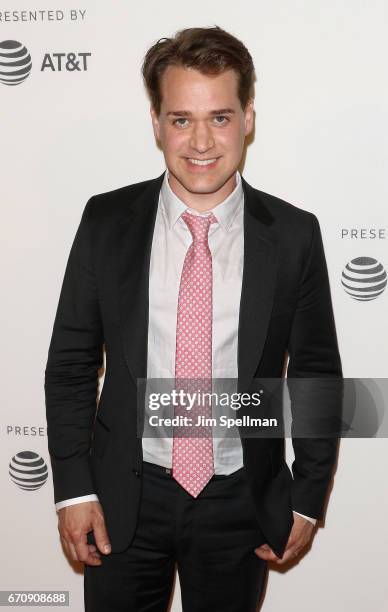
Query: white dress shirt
x=171, y=240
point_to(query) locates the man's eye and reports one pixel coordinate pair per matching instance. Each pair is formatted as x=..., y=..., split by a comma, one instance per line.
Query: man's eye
x=176, y=121
x=224, y=119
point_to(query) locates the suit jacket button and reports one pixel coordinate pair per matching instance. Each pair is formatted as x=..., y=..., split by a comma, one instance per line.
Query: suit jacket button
x=136, y=472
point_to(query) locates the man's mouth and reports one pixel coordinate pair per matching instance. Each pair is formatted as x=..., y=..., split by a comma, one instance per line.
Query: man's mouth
x=201, y=163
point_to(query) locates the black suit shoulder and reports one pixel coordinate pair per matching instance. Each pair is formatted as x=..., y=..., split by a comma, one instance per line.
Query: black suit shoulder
x=292, y=224
x=284, y=211
x=115, y=203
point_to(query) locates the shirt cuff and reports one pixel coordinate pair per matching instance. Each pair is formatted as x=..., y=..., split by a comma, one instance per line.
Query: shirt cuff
x=312, y=520
x=75, y=500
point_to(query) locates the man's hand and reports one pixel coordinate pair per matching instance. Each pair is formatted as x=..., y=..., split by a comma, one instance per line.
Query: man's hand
x=74, y=522
x=300, y=536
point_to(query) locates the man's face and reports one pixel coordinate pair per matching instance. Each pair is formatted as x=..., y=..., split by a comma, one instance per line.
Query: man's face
x=201, y=120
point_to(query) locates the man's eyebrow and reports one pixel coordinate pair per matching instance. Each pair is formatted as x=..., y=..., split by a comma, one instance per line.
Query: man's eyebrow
x=223, y=111
x=184, y=113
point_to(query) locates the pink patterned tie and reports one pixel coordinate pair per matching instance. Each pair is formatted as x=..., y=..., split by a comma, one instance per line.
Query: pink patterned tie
x=192, y=457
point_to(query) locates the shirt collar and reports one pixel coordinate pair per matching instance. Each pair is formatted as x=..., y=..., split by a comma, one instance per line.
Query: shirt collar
x=225, y=211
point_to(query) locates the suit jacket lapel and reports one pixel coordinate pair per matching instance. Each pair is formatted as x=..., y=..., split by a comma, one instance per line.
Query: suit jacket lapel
x=134, y=241
x=258, y=284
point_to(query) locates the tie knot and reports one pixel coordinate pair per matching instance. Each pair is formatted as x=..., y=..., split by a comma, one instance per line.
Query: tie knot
x=198, y=225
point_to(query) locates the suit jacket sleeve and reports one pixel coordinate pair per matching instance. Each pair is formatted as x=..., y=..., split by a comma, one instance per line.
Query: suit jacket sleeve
x=313, y=353
x=71, y=375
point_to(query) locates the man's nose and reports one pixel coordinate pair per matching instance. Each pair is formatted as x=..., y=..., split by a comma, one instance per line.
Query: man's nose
x=201, y=138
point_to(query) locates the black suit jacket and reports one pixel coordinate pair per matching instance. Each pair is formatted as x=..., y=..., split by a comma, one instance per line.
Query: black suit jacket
x=285, y=307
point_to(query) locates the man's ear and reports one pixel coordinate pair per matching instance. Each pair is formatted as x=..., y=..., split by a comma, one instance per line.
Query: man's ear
x=155, y=123
x=249, y=116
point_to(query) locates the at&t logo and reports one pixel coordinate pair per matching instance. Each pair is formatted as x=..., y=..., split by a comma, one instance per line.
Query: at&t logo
x=65, y=61
x=15, y=62
x=28, y=470
x=364, y=279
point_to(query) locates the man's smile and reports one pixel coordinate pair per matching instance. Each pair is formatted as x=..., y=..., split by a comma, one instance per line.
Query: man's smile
x=201, y=165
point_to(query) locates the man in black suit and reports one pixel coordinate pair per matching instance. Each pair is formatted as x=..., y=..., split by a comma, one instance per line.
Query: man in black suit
x=193, y=267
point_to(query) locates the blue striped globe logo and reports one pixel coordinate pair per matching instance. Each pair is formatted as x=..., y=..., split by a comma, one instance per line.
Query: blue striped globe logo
x=28, y=470
x=364, y=279
x=15, y=62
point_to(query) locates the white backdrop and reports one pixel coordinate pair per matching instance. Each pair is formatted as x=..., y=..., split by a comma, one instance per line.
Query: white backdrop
x=320, y=143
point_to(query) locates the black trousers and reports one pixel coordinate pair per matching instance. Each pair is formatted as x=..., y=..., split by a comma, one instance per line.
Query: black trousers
x=211, y=540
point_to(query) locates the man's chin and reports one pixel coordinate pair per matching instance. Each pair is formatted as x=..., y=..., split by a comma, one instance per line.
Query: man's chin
x=201, y=184
x=205, y=189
